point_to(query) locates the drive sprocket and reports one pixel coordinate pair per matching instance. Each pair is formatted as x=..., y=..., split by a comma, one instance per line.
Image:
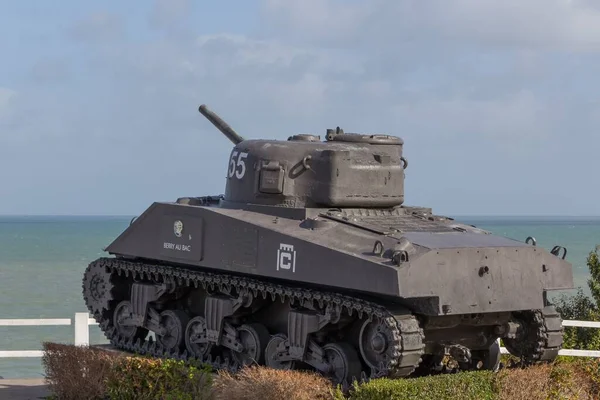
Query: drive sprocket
x=97, y=288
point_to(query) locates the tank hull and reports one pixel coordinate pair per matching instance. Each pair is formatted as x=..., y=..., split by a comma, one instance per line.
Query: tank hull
x=448, y=272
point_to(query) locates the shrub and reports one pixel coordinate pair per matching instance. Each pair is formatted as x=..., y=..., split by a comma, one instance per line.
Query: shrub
x=77, y=372
x=524, y=384
x=146, y=378
x=593, y=263
x=90, y=373
x=260, y=383
x=81, y=372
x=480, y=385
x=591, y=369
x=574, y=378
x=580, y=307
x=566, y=378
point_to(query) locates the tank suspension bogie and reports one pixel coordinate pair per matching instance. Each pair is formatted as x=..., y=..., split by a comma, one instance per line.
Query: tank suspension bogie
x=125, y=323
x=196, y=341
x=172, y=325
x=342, y=361
x=254, y=338
x=277, y=353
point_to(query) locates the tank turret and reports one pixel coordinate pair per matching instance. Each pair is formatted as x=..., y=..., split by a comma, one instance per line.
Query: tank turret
x=345, y=170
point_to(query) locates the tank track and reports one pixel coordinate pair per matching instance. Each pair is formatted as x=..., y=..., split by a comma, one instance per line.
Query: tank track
x=543, y=338
x=403, y=352
x=549, y=325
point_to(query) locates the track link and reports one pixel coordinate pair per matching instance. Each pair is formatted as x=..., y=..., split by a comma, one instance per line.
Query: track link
x=404, y=351
x=542, y=339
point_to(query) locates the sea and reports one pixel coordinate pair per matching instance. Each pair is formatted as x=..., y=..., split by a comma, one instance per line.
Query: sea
x=42, y=260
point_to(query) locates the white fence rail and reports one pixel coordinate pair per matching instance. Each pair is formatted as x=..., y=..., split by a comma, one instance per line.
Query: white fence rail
x=81, y=327
x=81, y=323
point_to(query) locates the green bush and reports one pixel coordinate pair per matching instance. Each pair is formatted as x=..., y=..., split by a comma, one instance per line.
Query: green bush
x=88, y=373
x=146, y=378
x=479, y=385
x=581, y=307
x=593, y=263
x=567, y=378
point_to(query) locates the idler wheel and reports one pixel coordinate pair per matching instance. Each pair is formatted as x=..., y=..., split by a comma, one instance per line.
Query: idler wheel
x=97, y=287
x=122, y=320
x=174, y=323
x=254, y=337
x=272, y=349
x=196, y=330
x=343, y=361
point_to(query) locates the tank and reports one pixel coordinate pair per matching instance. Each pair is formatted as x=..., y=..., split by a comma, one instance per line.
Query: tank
x=311, y=260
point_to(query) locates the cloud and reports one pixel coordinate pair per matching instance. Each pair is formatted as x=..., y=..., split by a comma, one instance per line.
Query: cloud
x=466, y=85
x=5, y=95
x=515, y=119
x=300, y=85
x=98, y=27
x=7, y=109
x=549, y=24
x=165, y=13
x=50, y=70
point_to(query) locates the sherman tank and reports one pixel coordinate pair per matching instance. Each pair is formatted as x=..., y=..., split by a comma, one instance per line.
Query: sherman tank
x=311, y=260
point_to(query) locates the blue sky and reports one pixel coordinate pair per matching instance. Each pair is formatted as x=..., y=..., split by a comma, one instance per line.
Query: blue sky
x=498, y=102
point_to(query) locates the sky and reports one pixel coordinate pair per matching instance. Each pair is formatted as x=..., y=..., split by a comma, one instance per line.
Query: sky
x=498, y=103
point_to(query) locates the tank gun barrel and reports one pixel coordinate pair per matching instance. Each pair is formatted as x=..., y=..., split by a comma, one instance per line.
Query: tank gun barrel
x=220, y=124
